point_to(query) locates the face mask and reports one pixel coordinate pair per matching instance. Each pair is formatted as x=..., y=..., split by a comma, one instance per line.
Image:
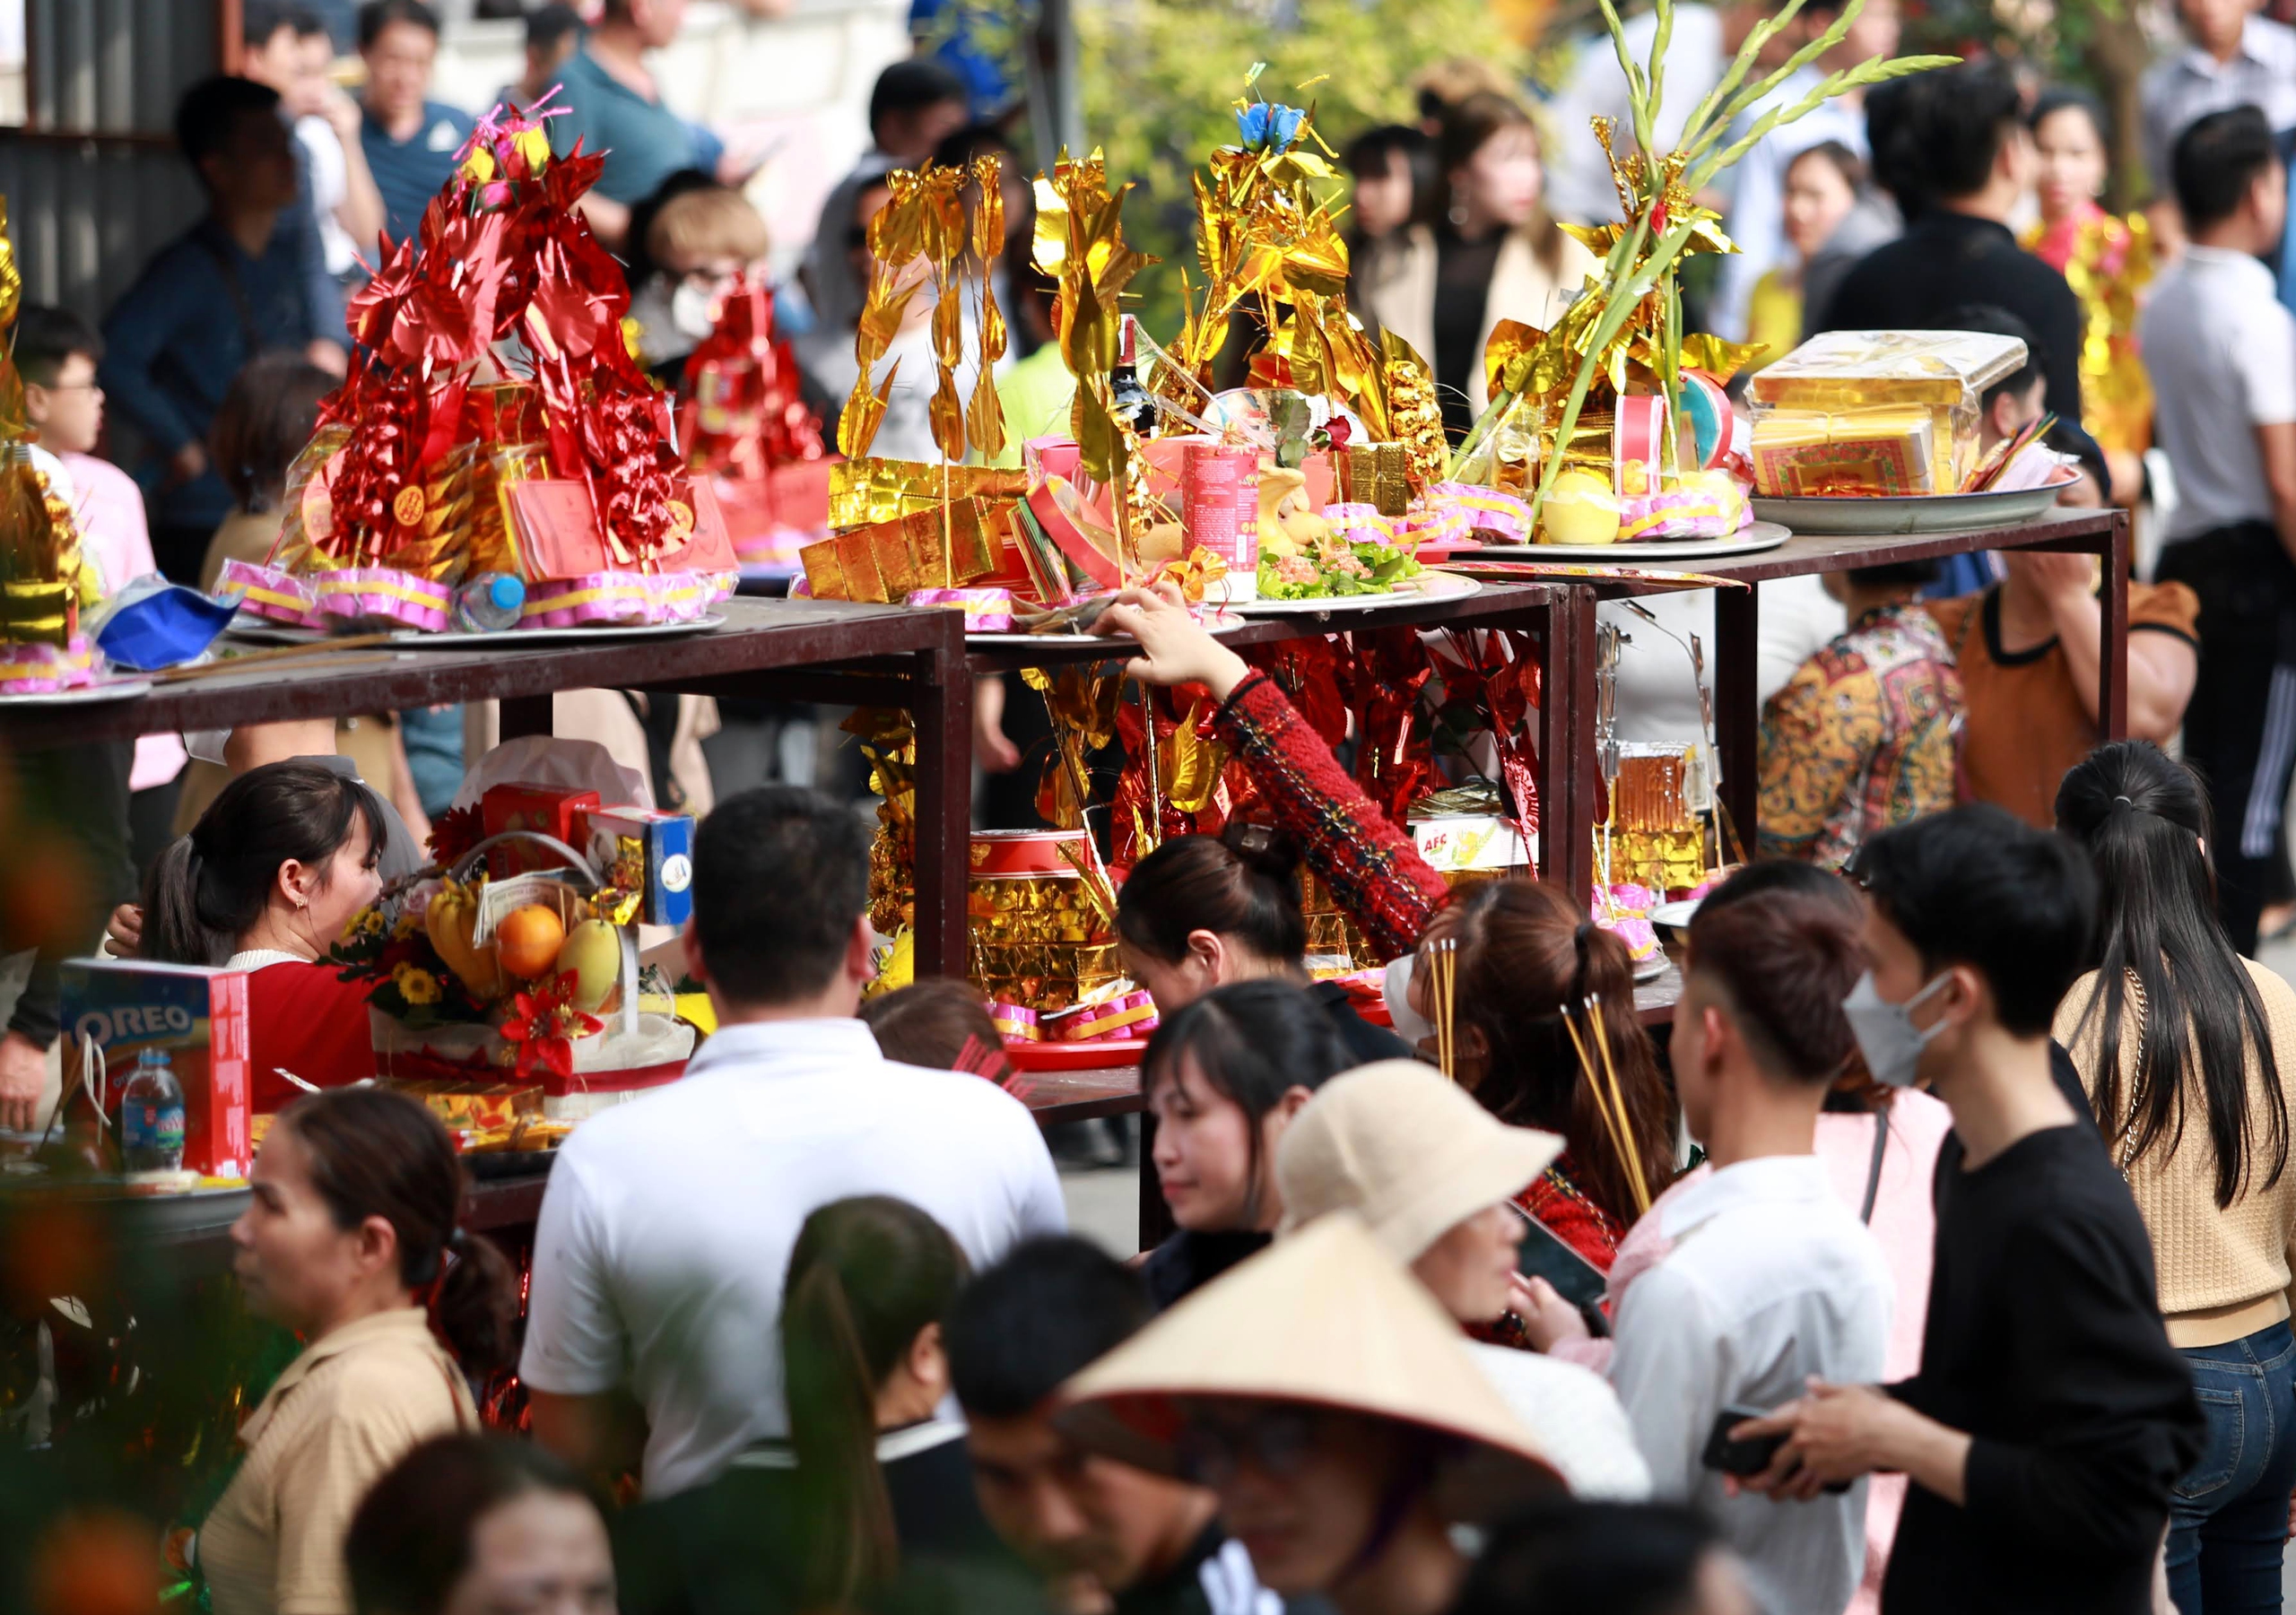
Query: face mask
x=693, y=310
x=1886, y=1036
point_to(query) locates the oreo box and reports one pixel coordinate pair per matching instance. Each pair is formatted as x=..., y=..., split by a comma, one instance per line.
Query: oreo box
x=647, y=851
x=113, y=1009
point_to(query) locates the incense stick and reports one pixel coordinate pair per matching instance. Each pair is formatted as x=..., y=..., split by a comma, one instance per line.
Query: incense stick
x=1618, y=1099
x=1443, y=964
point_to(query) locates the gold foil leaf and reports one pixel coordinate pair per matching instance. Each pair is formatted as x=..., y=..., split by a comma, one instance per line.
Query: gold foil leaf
x=985, y=417
x=948, y=417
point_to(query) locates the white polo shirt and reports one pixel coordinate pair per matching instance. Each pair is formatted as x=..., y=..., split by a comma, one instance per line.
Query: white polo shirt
x=2221, y=351
x=1771, y=1280
x=667, y=1226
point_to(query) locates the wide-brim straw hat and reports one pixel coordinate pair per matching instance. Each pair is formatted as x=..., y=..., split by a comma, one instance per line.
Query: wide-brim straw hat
x=1405, y=1148
x=1328, y=1319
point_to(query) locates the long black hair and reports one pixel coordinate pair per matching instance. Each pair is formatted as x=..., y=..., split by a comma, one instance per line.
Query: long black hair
x=208, y=889
x=2144, y=820
x=867, y=1276
x=1254, y=1041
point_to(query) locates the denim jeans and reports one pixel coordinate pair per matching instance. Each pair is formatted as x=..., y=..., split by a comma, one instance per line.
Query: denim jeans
x=2228, y=1520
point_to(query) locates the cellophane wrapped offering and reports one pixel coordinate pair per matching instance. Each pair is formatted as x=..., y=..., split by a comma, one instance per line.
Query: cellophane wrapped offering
x=1043, y=922
x=1838, y=414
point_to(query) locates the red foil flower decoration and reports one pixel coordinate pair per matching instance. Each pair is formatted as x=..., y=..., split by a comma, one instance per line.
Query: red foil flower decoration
x=546, y=1024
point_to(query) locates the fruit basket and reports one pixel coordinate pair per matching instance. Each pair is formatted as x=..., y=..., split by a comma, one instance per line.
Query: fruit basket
x=531, y=975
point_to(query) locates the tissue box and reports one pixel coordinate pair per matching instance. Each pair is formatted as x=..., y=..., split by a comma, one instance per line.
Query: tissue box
x=546, y=809
x=647, y=851
x=197, y=1016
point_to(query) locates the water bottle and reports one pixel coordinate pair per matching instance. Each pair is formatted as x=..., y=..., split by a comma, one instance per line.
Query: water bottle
x=489, y=602
x=151, y=1116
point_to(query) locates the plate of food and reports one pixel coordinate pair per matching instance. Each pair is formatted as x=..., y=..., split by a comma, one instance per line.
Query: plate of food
x=1424, y=584
x=1886, y=515
x=1751, y=539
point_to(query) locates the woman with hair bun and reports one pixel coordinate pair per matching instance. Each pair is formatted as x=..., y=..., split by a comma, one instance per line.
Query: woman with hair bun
x=354, y=1240
x=1204, y=911
x=276, y=866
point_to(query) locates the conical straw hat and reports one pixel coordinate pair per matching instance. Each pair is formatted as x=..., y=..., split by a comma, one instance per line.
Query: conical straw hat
x=1406, y=1149
x=1324, y=1317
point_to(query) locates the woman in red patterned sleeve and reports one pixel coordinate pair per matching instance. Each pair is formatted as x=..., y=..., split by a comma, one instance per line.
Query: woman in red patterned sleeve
x=1524, y=948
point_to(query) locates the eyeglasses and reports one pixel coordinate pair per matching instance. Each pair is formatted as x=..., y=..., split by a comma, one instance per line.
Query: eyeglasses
x=1276, y=1440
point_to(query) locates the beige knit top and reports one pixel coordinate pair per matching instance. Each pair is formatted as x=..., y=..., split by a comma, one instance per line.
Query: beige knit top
x=2223, y=1273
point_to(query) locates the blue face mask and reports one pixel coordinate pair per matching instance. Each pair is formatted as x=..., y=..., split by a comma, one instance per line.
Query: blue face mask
x=1886, y=1035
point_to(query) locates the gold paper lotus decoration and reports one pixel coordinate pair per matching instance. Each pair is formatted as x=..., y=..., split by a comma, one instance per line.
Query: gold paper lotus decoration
x=1267, y=242
x=44, y=580
x=921, y=234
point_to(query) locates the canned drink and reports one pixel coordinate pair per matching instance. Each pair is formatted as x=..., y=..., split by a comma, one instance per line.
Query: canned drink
x=1220, y=505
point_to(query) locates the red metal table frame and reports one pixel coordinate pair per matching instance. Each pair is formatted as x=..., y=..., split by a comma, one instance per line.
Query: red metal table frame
x=1737, y=705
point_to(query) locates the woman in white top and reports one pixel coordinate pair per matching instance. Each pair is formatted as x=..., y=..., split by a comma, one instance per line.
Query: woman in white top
x=1495, y=254
x=354, y=1240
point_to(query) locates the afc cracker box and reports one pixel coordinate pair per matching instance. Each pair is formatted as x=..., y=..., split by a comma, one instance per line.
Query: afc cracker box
x=198, y=1016
x=647, y=850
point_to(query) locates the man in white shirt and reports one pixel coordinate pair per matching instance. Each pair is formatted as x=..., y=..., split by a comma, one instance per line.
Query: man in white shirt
x=2235, y=58
x=1759, y=1276
x=667, y=1228
x=2221, y=351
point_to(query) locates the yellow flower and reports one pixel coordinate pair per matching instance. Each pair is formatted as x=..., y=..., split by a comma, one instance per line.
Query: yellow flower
x=416, y=986
x=534, y=146
x=409, y=922
x=479, y=165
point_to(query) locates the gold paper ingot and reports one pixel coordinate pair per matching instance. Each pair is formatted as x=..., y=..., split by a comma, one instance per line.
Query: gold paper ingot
x=945, y=547
x=1378, y=474
x=865, y=491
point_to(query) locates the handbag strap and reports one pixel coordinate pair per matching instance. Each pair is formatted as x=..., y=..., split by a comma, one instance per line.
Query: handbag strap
x=1874, y=1171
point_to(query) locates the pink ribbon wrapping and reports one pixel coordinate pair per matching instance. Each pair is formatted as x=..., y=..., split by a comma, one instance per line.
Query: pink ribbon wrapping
x=1681, y=513
x=623, y=598
x=269, y=593
x=382, y=596
x=1359, y=524
x=1489, y=510
x=1133, y=1015
x=1016, y=1022
x=987, y=610
x=37, y=669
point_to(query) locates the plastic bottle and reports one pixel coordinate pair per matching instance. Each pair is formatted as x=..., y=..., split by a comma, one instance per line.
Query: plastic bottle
x=489, y=602
x=151, y=1116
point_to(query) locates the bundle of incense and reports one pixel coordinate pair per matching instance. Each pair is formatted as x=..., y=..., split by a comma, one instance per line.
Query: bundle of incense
x=1990, y=469
x=982, y=1061
x=1443, y=966
x=1609, y=1097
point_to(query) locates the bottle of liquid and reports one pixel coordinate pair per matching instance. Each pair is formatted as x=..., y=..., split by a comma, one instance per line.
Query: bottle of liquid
x=151, y=1116
x=489, y=602
x=1134, y=404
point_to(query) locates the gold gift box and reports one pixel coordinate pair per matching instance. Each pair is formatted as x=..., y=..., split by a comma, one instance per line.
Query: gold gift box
x=1377, y=474
x=884, y=562
x=864, y=492
x=1941, y=374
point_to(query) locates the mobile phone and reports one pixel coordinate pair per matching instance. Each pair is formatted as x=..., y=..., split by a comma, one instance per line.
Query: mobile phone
x=1542, y=1254
x=1747, y=1457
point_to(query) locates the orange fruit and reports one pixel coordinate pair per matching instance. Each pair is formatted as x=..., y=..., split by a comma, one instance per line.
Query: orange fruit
x=527, y=941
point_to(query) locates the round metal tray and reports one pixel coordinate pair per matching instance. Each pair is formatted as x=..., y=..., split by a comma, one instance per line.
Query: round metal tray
x=1919, y=513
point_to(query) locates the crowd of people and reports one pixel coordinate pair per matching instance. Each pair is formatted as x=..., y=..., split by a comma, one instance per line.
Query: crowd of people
x=1934, y=1257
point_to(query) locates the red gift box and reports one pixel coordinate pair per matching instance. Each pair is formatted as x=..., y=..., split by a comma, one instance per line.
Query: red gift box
x=548, y=810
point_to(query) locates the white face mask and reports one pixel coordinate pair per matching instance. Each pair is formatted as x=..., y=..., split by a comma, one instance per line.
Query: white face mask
x=1886, y=1035
x=693, y=310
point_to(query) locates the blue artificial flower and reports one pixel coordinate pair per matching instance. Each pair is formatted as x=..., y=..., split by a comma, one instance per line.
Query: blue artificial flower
x=1267, y=126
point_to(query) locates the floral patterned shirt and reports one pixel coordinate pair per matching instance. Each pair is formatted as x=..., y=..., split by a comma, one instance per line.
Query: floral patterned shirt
x=1860, y=738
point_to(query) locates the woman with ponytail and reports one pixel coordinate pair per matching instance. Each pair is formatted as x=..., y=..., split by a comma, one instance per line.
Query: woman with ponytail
x=1201, y=912
x=354, y=1240
x=1531, y=973
x=2188, y=1052
x=871, y=1475
x=279, y=862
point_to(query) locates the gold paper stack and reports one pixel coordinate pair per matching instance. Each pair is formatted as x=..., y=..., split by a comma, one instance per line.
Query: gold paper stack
x=1655, y=840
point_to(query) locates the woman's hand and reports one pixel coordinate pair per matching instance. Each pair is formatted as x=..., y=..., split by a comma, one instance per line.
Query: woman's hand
x=1176, y=648
x=124, y=931
x=1547, y=1318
